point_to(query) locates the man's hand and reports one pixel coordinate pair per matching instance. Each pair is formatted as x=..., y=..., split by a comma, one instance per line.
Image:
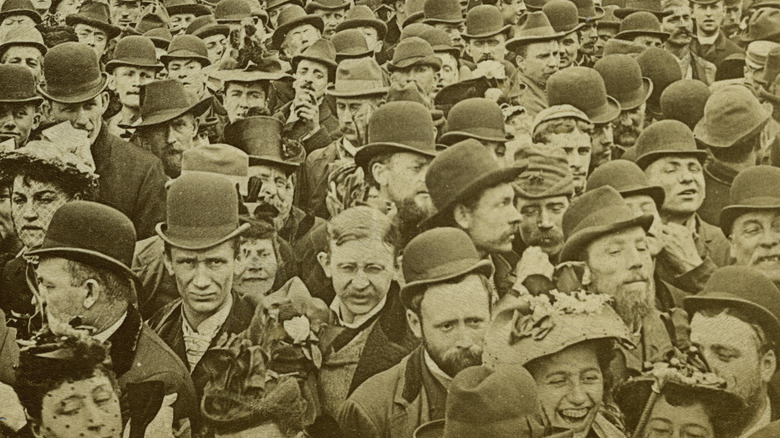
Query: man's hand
x=679, y=246
x=490, y=69
x=308, y=111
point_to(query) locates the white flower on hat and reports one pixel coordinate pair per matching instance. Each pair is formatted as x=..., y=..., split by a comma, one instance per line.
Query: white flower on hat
x=298, y=328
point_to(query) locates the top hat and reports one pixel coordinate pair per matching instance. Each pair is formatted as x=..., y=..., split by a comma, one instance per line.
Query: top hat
x=764, y=24
x=623, y=80
x=19, y=7
x=662, y=68
x=684, y=100
x=439, y=255
x=358, y=77
x=594, y=214
x=627, y=178
x=289, y=19
x=350, y=44
x=730, y=114
x=322, y=52
x=162, y=101
x=639, y=24
x=413, y=51
x=664, y=138
x=461, y=172
x=563, y=16
x=745, y=289
x=653, y=6
x=536, y=29
x=261, y=138
x=175, y=7
x=584, y=89
x=476, y=118
x=546, y=173
x=94, y=14
x=72, y=74
x=754, y=188
x=22, y=36
x=232, y=11
x=484, y=21
x=398, y=127
x=201, y=212
x=220, y=159
x=442, y=11
x=206, y=26
x=587, y=11
x=362, y=16
x=136, y=51
x=187, y=47
x=609, y=20
x=91, y=233
x=18, y=85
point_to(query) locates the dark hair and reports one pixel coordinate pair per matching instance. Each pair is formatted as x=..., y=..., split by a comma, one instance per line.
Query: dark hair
x=359, y=223
x=68, y=183
x=117, y=287
x=739, y=151
x=718, y=409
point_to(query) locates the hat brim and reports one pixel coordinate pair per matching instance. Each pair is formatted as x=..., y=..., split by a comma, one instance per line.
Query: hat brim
x=598, y=14
x=198, y=243
x=168, y=57
x=580, y=239
x=517, y=41
x=110, y=30
x=114, y=63
x=6, y=45
x=645, y=160
x=317, y=5
x=197, y=109
x=452, y=137
x=730, y=213
x=369, y=151
x=431, y=429
x=86, y=255
x=504, y=29
x=212, y=29
x=78, y=97
x=432, y=21
x=702, y=135
x=194, y=8
x=448, y=271
x=281, y=31
x=331, y=91
x=37, y=100
x=639, y=97
x=656, y=192
x=36, y=17
x=247, y=76
x=378, y=25
x=255, y=160
x=607, y=113
x=340, y=56
x=630, y=34
x=625, y=12
x=433, y=61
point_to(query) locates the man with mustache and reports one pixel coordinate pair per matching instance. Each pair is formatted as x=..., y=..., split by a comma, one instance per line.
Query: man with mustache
x=250, y=88
x=447, y=297
x=182, y=13
x=19, y=105
x=415, y=61
x=563, y=17
x=486, y=36
x=679, y=25
x=295, y=32
x=624, y=82
x=446, y=15
x=591, y=14
x=710, y=42
x=333, y=13
x=125, y=13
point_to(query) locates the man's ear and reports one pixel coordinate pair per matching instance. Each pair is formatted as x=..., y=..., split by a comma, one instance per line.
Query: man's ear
x=36, y=119
x=768, y=365
x=414, y=322
x=520, y=62
x=111, y=83
x=35, y=427
x=379, y=171
x=196, y=120
x=462, y=216
x=46, y=109
x=92, y=290
x=324, y=259
x=105, y=98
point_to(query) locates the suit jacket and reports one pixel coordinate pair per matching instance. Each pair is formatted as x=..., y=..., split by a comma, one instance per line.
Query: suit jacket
x=718, y=51
x=9, y=352
x=528, y=94
x=132, y=180
x=313, y=182
x=329, y=125
x=717, y=179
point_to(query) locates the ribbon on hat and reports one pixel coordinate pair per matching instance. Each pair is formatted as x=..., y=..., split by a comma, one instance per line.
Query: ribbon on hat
x=69, y=140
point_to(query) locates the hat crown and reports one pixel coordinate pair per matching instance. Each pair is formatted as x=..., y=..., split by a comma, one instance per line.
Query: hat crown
x=729, y=114
x=360, y=12
x=18, y=83
x=200, y=23
x=358, y=75
x=163, y=96
x=653, y=6
x=258, y=136
x=152, y=20
x=546, y=173
x=442, y=10
x=438, y=39
x=670, y=136
x=756, y=185
x=661, y=67
x=684, y=100
x=182, y=45
x=217, y=158
x=161, y=34
x=349, y=41
x=475, y=113
x=410, y=48
x=619, y=174
x=484, y=20
x=232, y=10
x=70, y=69
x=22, y=34
x=622, y=77
x=135, y=48
x=586, y=9
x=17, y=5
x=580, y=87
x=640, y=21
x=290, y=14
x=95, y=10
x=406, y=123
x=405, y=93
x=455, y=169
x=536, y=25
x=601, y=206
x=763, y=24
x=562, y=15
x=437, y=252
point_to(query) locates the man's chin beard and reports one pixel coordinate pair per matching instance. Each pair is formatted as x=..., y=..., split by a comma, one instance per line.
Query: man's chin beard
x=409, y=216
x=632, y=308
x=454, y=362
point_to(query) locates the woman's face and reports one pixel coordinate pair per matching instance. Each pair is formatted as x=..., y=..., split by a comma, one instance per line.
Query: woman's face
x=86, y=408
x=33, y=204
x=678, y=421
x=570, y=386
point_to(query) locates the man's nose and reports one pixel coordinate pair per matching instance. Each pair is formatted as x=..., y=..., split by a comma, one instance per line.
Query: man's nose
x=201, y=279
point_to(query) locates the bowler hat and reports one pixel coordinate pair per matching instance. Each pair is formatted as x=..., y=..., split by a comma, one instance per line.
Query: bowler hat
x=755, y=188
x=764, y=76
x=584, y=89
x=461, y=172
x=462, y=90
x=764, y=24
x=206, y=26
x=546, y=173
x=442, y=11
x=261, y=138
x=162, y=101
x=92, y=233
x=22, y=36
x=413, y=51
x=414, y=12
x=322, y=52
x=438, y=39
x=221, y=159
x=161, y=37
x=627, y=178
x=94, y=14
x=232, y=11
x=327, y=5
x=621, y=47
x=745, y=289
x=594, y=214
x=587, y=11
x=350, y=44
x=398, y=127
x=276, y=3
x=623, y=80
x=641, y=23
x=19, y=7
x=609, y=20
x=684, y=100
x=653, y=6
x=358, y=77
x=439, y=255
x=484, y=21
x=664, y=138
x=362, y=16
x=201, y=212
x=661, y=67
x=477, y=118
x=175, y=7
x=72, y=74
x=411, y=93
x=536, y=29
x=136, y=51
x=18, y=85
x=563, y=16
x=187, y=47
x=730, y=114
x=152, y=20
x=289, y=19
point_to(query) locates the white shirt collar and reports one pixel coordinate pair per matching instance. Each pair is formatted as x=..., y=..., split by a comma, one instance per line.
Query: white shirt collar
x=335, y=306
x=440, y=375
x=705, y=41
x=211, y=325
x=765, y=419
x=105, y=334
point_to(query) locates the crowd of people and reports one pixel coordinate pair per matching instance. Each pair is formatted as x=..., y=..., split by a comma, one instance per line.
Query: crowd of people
x=390, y=218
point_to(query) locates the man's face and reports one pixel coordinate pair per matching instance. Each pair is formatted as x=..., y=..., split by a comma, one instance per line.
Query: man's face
x=67, y=7
x=683, y=182
x=449, y=72
x=189, y=72
x=621, y=267
x=125, y=13
x=276, y=188
x=577, y=146
x=62, y=296
x=204, y=278
x=331, y=19
x=179, y=23
x=487, y=49
x=708, y=17
x=33, y=204
x=16, y=21
x=128, y=81
x=570, y=46
x=361, y=271
x=604, y=34
x=731, y=17
x=629, y=125
x=28, y=56
x=241, y=96
x=679, y=25
x=311, y=78
x=730, y=347
x=372, y=38
x=648, y=41
x=601, y=142
x=299, y=39
x=755, y=241
x=454, y=31
x=86, y=116
x=690, y=420
x=6, y=218
x=93, y=37
x=273, y=14
x=452, y=323
x=541, y=61
x=353, y=114
x=641, y=205
x=493, y=222
x=541, y=222
x=423, y=75
x=17, y=120
x=216, y=46
x=170, y=139
x=403, y=178
x=512, y=10
x=589, y=34
x=255, y=269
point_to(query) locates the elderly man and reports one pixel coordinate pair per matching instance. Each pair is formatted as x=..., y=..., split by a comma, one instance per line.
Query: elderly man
x=333, y=13
x=131, y=180
x=24, y=46
x=18, y=13
x=710, y=42
x=482, y=120
x=448, y=303
x=679, y=25
x=414, y=61
x=84, y=272
x=734, y=323
x=93, y=28
x=295, y=32
x=19, y=104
